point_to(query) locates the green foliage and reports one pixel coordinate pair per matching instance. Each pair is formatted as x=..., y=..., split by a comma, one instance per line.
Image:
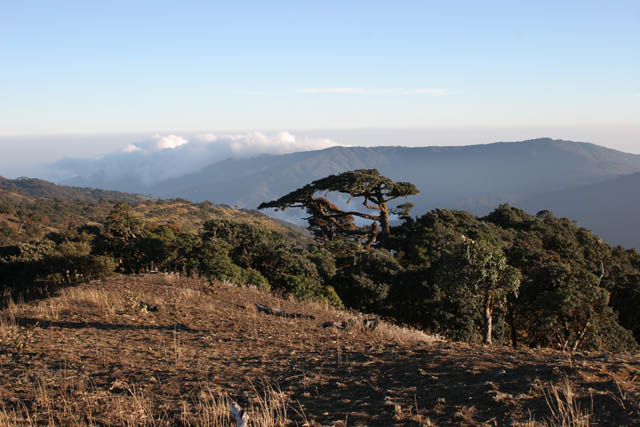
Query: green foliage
x=565, y=296
x=253, y=277
x=122, y=225
x=575, y=292
x=36, y=268
x=366, y=283
x=123, y=237
x=324, y=261
x=305, y=288
x=217, y=265
x=477, y=270
x=275, y=256
x=510, y=276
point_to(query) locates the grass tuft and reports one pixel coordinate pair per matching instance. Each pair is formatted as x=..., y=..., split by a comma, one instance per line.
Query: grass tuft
x=564, y=406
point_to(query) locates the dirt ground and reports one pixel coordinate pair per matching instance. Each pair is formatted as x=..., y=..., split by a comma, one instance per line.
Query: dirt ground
x=153, y=350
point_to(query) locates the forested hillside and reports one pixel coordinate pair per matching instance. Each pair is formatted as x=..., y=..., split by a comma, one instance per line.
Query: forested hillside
x=506, y=278
x=40, y=188
x=31, y=208
x=51, y=242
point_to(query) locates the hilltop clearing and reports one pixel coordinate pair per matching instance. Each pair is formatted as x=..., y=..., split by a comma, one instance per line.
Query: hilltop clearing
x=167, y=350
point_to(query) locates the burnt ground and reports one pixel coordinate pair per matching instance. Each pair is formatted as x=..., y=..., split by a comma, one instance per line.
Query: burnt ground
x=100, y=354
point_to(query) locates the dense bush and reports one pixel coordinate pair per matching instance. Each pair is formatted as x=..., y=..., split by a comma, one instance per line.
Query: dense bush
x=37, y=268
x=366, y=283
x=570, y=282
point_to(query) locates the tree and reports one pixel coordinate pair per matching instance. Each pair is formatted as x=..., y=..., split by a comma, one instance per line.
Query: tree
x=122, y=224
x=569, y=296
x=252, y=254
x=121, y=232
x=365, y=285
x=480, y=270
x=328, y=222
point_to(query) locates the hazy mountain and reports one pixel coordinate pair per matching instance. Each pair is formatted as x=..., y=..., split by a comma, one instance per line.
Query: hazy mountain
x=611, y=208
x=476, y=178
x=536, y=174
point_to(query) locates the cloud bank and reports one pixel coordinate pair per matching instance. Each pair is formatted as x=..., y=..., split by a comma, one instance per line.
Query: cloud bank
x=163, y=157
x=365, y=91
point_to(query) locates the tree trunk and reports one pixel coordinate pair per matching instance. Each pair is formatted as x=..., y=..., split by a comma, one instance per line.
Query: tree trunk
x=372, y=238
x=487, y=324
x=384, y=219
x=512, y=326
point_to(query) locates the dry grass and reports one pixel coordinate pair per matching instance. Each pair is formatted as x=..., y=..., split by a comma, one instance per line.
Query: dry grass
x=403, y=335
x=93, y=355
x=102, y=302
x=8, y=314
x=564, y=406
x=71, y=299
x=10, y=334
x=212, y=409
x=384, y=332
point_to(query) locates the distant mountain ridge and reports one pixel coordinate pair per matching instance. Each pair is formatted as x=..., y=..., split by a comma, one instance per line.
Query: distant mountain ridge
x=476, y=178
x=472, y=177
x=611, y=207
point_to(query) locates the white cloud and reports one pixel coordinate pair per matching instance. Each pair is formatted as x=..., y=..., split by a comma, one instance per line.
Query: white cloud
x=364, y=91
x=171, y=156
x=168, y=141
x=254, y=143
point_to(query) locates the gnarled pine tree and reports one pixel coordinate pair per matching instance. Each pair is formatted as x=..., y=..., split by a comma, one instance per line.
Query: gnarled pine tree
x=329, y=222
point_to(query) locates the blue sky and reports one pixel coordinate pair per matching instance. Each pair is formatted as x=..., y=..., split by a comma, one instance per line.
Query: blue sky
x=142, y=67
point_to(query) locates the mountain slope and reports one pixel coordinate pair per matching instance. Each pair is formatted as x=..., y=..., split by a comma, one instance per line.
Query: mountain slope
x=39, y=188
x=31, y=208
x=611, y=207
x=475, y=177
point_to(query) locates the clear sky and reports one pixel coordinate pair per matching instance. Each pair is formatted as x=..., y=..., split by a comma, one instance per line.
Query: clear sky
x=146, y=67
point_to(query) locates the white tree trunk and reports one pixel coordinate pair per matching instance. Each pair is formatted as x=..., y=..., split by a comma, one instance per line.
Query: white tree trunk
x=488, y=325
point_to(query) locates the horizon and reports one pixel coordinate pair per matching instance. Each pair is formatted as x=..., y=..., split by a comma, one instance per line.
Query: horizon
x=45, y=157
x=41, y=156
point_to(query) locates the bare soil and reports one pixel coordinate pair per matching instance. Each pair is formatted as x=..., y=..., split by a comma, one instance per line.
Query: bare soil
x=99, y=354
